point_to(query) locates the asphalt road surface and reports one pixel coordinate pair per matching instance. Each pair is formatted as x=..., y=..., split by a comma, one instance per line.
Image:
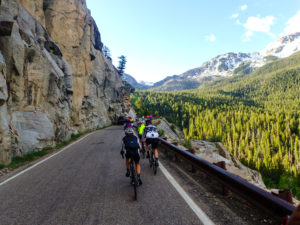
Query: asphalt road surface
x=86, y=184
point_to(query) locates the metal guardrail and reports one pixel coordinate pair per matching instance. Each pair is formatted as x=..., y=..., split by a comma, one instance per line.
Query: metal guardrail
x=275, y=206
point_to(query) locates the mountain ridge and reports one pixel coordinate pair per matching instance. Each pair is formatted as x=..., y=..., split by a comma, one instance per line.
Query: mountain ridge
x=229, y=64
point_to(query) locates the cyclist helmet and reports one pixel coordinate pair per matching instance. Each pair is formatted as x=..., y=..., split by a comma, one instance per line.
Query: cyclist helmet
x=129, y=130
x=129, y=125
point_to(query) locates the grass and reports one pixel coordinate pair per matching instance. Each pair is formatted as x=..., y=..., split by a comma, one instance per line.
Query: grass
x=21, y=160
x=161, y=133
x=187, y=143
x=38, y=153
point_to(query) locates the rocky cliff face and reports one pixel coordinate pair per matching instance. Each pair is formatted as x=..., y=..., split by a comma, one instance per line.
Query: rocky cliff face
x=54, y=79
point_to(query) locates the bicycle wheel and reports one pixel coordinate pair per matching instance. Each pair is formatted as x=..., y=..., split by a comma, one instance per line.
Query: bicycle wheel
x=143, y=150
x=154, y=167
x=151, y=159
x=135, y=180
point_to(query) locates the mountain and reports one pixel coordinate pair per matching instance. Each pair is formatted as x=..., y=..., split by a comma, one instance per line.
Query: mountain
x=279, y=80
x=255, y=115
x=230, y=64
x=132, y=81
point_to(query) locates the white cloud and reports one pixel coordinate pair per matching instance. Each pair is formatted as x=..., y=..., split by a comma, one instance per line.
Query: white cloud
x=257, y=24
x=293, y=24
x=210, y=38
x=244, y=7
x=235, y=16
x=249, y=33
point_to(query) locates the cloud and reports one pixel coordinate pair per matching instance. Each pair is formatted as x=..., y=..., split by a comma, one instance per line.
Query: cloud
x=244, y=7
x=235, y=16
x=257, y=24
x=210, y=38
x=293, y=24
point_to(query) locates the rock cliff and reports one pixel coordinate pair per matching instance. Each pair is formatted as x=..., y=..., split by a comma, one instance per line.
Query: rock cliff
x=54, y=79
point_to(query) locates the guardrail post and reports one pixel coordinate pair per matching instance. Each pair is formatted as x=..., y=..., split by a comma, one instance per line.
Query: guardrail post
x=193, y=170
x=225, y=189
x=285, y=194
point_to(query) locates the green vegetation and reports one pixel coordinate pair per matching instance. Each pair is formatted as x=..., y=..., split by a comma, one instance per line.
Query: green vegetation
x=187, y=143
x=256, y=116
x=21, y=160
x=173, y=128
x=161, y=133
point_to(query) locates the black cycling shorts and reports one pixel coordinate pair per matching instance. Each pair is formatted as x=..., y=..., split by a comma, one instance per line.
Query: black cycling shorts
x=140, y=136
x=152, y=141
x=134, y=153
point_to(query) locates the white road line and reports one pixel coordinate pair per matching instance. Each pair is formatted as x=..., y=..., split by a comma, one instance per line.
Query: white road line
x=40, y=162
x=201, y=215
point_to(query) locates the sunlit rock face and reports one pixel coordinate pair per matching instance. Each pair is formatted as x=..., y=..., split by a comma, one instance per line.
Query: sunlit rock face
x=54, y=79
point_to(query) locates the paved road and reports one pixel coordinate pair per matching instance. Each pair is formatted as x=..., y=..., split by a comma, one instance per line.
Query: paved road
x=86, y=184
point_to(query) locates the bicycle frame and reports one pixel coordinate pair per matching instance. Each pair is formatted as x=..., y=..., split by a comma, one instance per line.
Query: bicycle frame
x=133, y=176
x=152, y=160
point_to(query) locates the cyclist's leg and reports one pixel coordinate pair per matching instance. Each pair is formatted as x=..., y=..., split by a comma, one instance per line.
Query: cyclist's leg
x=138, y=166
x=148, y=147
x=156, y=153
x=127, y=155
x=154, y=147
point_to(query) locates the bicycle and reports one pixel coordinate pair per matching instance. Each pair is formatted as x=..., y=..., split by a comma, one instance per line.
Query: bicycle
x=143, y=151
x=152, y=160
x=133, y=176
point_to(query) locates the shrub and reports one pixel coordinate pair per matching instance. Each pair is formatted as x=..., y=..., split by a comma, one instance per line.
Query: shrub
x=161, y=133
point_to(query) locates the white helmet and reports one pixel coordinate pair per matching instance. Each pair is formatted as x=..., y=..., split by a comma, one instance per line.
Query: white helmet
x=129, y=130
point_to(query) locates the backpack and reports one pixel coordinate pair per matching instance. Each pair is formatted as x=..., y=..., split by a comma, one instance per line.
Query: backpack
x=151, y=132
x=131, y=142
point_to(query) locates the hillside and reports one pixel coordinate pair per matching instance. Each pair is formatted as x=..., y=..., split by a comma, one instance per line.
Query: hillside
x=279, y=79
x=256, y=116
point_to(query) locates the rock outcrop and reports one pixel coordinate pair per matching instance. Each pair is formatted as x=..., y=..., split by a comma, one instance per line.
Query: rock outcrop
x=213, y=152
x=216, y=152
x=54, y=79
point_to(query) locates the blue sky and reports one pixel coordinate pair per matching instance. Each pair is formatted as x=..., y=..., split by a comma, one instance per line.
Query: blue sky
x=165, y=37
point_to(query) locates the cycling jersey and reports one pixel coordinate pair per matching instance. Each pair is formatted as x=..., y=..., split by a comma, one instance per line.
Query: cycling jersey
x=141, y=129
x=150, y=131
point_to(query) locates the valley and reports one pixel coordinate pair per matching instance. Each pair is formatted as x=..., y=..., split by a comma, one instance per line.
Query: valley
x=256, y=117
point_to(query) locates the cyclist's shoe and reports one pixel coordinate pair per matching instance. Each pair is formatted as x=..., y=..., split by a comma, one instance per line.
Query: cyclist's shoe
x=148, y=155
x=139, y=180
x=156, y=163
x=127, y=173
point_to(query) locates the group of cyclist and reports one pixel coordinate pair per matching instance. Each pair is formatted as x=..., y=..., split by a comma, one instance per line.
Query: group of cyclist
x=131, y=145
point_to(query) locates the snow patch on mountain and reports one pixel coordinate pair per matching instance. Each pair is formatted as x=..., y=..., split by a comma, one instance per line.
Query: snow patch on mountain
x=284, y=47
x=224, y=65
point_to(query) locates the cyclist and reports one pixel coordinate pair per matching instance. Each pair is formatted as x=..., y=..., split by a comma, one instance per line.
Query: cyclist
x=132, y=147
x=295, y=218
x=151, y=135
x=141, y=127
x=128, y=123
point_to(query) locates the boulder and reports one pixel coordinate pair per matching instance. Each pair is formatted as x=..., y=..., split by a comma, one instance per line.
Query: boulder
x=216, y=152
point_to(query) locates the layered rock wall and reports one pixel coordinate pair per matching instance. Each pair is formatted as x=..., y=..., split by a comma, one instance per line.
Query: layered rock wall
x=54, y=79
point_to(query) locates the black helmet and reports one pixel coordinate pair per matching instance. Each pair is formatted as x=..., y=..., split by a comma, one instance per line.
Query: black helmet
x=148, y=122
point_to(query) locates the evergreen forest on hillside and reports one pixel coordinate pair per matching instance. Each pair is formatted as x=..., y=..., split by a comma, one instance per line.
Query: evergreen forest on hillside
x=256, y=116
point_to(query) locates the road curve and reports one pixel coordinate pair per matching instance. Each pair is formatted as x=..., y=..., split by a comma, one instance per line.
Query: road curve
x=86, y=184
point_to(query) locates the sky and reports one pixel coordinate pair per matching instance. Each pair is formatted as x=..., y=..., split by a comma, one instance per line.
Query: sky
x=165, y=37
